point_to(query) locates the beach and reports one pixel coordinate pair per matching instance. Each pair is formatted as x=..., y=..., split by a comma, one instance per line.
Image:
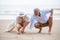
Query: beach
x=30, y=34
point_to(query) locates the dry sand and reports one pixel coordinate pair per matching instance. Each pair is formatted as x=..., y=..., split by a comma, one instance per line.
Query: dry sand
x=30, y=34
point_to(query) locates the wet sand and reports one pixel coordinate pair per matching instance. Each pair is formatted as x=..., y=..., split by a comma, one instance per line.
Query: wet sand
x=30, y=34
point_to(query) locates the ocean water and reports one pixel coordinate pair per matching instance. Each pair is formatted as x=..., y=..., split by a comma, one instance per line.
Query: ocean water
x=11, y=15
x=9, y=9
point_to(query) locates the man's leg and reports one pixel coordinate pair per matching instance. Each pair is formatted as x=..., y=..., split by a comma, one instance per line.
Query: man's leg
x=40, y=30
x=50, y=24
x=50, y=21
x=37, y=25
x=24, y=26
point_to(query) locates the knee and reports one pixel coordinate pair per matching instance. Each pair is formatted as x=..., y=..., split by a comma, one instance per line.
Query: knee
x=50, y=18
x=18, y=26
x=25, y=23
x=37, y=25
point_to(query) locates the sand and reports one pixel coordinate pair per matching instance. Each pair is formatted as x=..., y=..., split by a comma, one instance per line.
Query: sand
x=30, y=34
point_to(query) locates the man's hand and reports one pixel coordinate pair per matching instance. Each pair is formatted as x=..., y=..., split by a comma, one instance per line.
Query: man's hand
x=51, y=13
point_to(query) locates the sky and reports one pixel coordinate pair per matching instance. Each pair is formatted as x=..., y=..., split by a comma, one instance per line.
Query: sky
x=26, y=6
x=16, y=5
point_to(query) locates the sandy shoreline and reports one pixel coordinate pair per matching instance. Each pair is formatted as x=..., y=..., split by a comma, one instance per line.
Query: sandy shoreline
x=30, y=34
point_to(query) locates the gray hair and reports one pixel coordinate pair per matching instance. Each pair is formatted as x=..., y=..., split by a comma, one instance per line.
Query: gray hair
x=36, y=9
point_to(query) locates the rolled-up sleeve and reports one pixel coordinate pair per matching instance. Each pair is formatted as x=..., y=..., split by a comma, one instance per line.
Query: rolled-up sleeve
x=32, y=21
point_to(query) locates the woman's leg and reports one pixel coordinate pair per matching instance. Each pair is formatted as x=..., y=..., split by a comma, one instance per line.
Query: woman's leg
x=18, y=27
x=11, y=27
x=24, y=26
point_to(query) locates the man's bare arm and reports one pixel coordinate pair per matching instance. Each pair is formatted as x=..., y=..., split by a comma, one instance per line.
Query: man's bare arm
x=51, y=12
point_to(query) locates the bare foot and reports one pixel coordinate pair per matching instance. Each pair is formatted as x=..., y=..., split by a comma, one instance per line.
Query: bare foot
x=49, y=33
x=22, y=31
x=8, y=31
x=39, y=32
x=18, y=32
